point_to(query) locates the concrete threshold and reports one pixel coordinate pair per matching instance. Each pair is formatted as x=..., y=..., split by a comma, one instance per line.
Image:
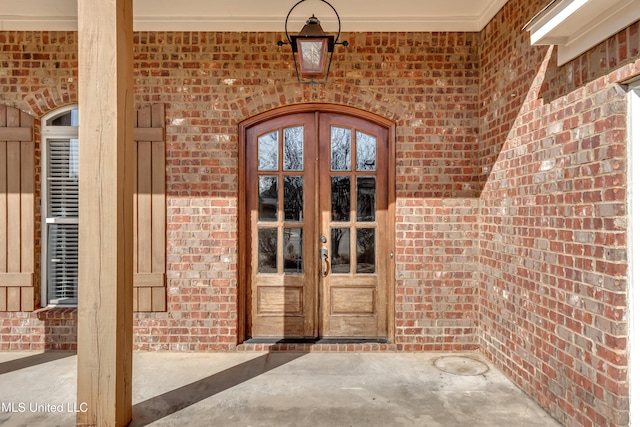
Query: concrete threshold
x=279, y=389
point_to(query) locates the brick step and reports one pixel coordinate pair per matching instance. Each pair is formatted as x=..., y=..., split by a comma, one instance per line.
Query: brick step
x=308, y=347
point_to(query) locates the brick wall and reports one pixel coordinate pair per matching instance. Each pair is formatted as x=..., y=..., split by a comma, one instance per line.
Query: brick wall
x=552, y=224
x=436, y=293
x=426, y=82
x=511, y=190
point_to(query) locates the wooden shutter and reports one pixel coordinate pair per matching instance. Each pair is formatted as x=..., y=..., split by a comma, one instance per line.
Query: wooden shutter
x=17, y=216
x=149, y=209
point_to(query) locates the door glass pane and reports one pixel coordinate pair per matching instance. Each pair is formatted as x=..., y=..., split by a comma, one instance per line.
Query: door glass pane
x=340, y=198
x=294, y=148
x=293, y=192
x=340, y=149
x=292, y=250
x=366, y=199
x=366, y=248
x=268, y=198
x=340, y=250
x=365, y=152
x=267, y=250
x=268, y=152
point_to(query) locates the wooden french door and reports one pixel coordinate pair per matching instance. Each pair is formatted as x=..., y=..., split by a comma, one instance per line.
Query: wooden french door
x=318, y=236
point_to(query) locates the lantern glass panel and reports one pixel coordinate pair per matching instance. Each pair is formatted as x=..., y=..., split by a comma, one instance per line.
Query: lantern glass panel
x=312, y=54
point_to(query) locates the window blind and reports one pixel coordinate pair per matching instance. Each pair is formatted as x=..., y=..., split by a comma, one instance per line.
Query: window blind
x=62, y=220
x=63, y=263
x=62, y=178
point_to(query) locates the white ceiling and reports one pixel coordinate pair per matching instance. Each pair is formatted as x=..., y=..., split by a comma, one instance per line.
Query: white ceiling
x=265, y=15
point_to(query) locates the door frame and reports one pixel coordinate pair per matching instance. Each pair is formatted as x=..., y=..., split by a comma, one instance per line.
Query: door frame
x=243, y=218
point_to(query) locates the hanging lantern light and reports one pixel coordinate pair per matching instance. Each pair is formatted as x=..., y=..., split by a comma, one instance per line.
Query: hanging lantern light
x=312, y=48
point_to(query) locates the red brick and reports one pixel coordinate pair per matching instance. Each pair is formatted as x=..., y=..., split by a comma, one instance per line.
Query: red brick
x=510, y=191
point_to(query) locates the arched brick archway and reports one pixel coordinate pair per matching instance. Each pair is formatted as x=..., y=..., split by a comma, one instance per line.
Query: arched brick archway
x=317, y=121
x=51, y=98
x=271, y=97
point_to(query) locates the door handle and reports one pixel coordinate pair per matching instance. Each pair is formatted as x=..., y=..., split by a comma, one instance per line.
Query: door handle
x=324, y=260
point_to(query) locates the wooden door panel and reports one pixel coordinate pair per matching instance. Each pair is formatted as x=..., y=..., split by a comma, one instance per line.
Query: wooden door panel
x=278, y=300
x=353, y=293
x=351, y=327
x=353, y=300
x=293, y=290
x=282, y=273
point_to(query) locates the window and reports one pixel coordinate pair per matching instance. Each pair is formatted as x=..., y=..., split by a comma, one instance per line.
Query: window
x=60, y=145
x=60, y=207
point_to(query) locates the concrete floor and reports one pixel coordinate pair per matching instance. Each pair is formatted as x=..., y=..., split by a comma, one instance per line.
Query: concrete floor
x=279, y=389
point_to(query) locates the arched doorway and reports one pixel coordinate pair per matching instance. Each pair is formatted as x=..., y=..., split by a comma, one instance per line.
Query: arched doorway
x=316, y=224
